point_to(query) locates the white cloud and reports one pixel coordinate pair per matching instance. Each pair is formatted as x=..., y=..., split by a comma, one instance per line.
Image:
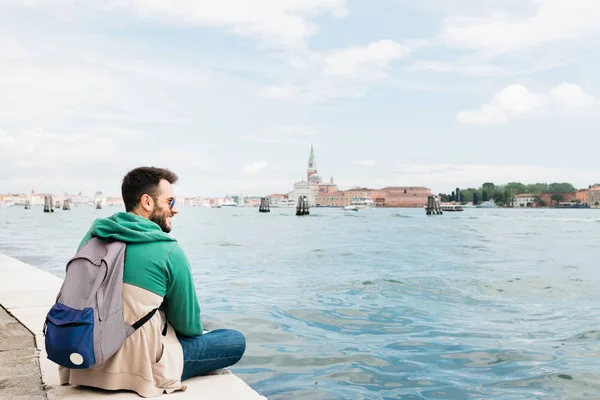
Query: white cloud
x=422, y=168
x=515, y=100
x=571, y=96
x=254, y=167
x=501, y=32
x=10, y=48
x=366, y=163
x=284, y=135
x=284, y=92
x=313, y=90
x=463, y=66
x=276, y=22
x=514, y=38
x=38, y=147
x=366, y=62
x=339, y=73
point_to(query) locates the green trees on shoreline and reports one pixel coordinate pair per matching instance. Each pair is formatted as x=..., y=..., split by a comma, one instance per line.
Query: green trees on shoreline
x=504, y=194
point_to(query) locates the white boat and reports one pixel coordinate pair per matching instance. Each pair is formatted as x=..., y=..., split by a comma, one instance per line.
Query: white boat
x=216, y=206
x=228, y=204
x=363, y=203
x=487, y=204
x=451, y=207
x=288, y=203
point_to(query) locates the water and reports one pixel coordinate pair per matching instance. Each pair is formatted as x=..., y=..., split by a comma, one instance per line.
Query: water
x=385, y=303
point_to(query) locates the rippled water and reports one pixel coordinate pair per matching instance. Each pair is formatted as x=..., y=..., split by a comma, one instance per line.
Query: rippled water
x=385, y=303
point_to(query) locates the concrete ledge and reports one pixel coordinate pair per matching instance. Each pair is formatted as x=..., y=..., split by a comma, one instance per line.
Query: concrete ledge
x=28, y=293
x=19, y=369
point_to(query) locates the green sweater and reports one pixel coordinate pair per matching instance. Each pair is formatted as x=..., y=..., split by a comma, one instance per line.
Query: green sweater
x=154, y=261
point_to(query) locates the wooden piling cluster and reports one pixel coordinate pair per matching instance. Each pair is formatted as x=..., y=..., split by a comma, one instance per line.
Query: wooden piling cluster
x=48, y=205
x=98, y=200
x=28, y=204
x=66, y=204
x=302, y=207
x=264, y=205
x=433, y=206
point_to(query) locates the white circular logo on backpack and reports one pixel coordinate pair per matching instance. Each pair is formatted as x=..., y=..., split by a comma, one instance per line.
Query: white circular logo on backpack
x=76, y=358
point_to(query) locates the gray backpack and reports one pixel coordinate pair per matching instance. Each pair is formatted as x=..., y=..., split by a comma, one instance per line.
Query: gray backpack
x=86, y=327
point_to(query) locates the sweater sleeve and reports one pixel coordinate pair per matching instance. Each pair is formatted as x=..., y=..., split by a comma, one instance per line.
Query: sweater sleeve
x=182, y=302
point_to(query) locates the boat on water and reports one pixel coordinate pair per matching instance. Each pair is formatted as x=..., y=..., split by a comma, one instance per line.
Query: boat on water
x=216, y=206
x=363, y=203
x=450, y=207
x=487, y=204
x=229, y=204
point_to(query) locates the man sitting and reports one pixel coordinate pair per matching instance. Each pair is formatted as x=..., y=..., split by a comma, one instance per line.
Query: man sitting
x=156, y=274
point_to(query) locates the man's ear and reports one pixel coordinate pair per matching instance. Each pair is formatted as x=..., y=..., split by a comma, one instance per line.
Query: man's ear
x=147, y=202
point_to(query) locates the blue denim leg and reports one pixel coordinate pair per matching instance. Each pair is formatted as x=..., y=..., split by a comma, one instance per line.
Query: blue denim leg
x=214, y=350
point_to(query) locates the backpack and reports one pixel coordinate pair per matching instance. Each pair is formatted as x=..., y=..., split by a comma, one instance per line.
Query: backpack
x=86, y=327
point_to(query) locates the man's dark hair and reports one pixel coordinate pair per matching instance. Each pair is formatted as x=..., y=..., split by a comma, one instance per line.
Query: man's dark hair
x=143, y=180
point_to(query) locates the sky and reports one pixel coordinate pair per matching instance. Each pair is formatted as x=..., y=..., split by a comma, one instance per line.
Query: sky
x=230, y=94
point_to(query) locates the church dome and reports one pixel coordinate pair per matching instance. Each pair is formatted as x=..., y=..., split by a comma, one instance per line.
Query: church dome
x=315, y=178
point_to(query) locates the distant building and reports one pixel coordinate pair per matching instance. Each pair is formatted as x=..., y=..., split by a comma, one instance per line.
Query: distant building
x=276, y=198
x=228, y=200
x=402, y=196
x=524, y=200
x=79, y=199
x=567, y=197
x=335, y=199
x=252, y=201
x=312, y=174
x=192, y=201
x=15, y=199
x=38, y=199
x=583, y=196
x=303, y=188
x=342, y=198
x=313, y=185
x=330, y=187
x=114, y=201
x=594, y=197
x=328, y=194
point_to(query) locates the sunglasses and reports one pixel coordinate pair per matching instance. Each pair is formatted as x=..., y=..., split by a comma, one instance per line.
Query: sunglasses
x=172, y=203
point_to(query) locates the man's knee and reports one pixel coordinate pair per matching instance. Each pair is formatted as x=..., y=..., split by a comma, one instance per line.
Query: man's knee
x=238, y=342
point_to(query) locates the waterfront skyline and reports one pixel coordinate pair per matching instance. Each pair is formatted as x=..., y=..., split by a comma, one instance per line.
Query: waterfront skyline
x=413, y=93
x=310, y=185
x=313, y=187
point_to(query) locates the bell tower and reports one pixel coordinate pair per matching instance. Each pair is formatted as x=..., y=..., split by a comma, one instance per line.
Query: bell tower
x=312, y=164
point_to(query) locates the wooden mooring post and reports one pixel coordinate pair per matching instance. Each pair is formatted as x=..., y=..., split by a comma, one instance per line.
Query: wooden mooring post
x=264, y=205
x=302, y=207
x=48, y=206
x=66, y=204
x=433, y=206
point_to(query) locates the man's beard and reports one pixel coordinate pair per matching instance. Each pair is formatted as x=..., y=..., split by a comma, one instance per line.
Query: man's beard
x=160, y=219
